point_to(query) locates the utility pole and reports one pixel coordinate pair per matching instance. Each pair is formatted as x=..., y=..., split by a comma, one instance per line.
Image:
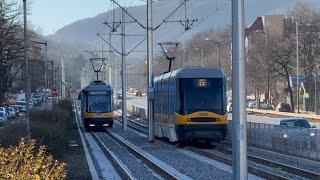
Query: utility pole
x=239, y=124
x=63, y=80
x=123, y=73
x=297, y=51
x=45, y=66
x=315, y=89
x=110, y=62
x=219, y=46
x=27, y=66
x=202, y=58
x=150, y=71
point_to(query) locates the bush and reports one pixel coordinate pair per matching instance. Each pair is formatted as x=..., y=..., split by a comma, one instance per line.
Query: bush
x=24, y=162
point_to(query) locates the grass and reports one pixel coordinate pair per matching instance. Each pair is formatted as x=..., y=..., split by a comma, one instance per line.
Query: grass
x=55, y=129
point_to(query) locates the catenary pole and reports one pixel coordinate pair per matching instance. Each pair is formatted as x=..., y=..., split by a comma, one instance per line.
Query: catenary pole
x=123, y=74
x=297, y=51
x=45, y=66
x=110, y=62
x=239, y=135
x=150, y=71
x=26, y=60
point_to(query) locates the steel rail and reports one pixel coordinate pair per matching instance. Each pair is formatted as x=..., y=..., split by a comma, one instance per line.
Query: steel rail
x=286, y=168
x=153, y=165
x=122, y=170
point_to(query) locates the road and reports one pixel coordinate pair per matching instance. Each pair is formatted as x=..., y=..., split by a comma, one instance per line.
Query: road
x=142, y=102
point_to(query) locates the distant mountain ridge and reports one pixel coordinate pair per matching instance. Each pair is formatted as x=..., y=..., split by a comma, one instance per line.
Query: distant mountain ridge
x=83, y=32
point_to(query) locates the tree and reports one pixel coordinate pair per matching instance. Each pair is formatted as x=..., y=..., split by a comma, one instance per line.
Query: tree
x=308, y=18
x=282, y=56
x=12, y=47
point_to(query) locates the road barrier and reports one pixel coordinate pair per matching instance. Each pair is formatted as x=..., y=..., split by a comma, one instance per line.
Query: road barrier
x=299, y=142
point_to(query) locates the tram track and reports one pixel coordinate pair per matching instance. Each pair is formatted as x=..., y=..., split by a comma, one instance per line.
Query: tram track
x=220, y=151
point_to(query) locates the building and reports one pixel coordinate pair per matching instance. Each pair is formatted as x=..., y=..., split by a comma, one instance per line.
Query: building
x=264, y=26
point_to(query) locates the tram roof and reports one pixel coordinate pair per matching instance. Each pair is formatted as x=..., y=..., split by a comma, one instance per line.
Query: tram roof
x=193, y=72
x=98, y=86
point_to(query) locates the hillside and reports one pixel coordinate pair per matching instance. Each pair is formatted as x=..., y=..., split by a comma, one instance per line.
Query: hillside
x=83, y=32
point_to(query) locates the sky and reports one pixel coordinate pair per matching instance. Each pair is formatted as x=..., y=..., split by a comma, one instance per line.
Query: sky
x=48, y=16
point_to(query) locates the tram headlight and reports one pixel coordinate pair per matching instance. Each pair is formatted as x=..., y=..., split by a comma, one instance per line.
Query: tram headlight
x=285, y=136
x=312, y=134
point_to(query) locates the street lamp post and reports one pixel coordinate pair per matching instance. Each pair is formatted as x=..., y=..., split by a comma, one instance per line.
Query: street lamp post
x=219, y=48
x=297, y=56
x=27, y=66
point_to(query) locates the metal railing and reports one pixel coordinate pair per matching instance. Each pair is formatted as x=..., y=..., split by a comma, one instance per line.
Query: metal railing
x=299, y=142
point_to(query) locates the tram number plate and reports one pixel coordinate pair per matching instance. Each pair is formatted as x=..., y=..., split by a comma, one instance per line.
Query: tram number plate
x=203, y=114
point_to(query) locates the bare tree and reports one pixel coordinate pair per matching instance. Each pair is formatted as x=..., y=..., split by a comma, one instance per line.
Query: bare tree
x=282, y=56
x=308, y=18
x=11, y=47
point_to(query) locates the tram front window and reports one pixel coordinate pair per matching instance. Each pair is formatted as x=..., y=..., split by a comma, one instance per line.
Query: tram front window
x=202, y=95
x=99, y=104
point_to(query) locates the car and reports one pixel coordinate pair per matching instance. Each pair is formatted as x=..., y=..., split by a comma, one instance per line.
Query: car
x=119, y=95
x=283, y=107
x=11, y=113
x=3, y=109
x=3, y=118
x=229, y=108
x=294, y=122
x=265, y=106
x=21, y=105
x=36, y=98
x=138, y=92
x=16, y=109
x=252, y=104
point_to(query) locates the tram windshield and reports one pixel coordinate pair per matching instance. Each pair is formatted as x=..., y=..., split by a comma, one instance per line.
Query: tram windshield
x=99, y=104
x=202, y=95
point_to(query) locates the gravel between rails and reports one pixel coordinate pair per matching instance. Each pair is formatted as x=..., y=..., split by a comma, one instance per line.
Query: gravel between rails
x=137, y=168
x=191, y=167
x=301, y=163
x=313, y=166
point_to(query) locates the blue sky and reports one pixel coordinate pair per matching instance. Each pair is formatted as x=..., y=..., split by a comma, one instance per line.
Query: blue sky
x=51, y=15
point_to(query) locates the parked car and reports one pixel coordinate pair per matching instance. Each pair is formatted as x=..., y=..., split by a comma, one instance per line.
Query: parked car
x=119, y=96
x=252, y=104
x=2, y=118
x=11, y=113
x=294, y=122
x=265, y=106
x=138, y=92
x=283, y=107
x=21, y=105
x=229, y=108
x=36, y=98
x=16, y=109
x=3, y=109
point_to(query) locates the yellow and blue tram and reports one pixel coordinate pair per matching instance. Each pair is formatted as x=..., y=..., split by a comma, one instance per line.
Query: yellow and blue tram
x=97, y=105
x=190, y=104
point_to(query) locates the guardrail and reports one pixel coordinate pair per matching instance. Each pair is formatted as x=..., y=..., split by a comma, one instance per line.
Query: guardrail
x=276, y=114
x=299, y=142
